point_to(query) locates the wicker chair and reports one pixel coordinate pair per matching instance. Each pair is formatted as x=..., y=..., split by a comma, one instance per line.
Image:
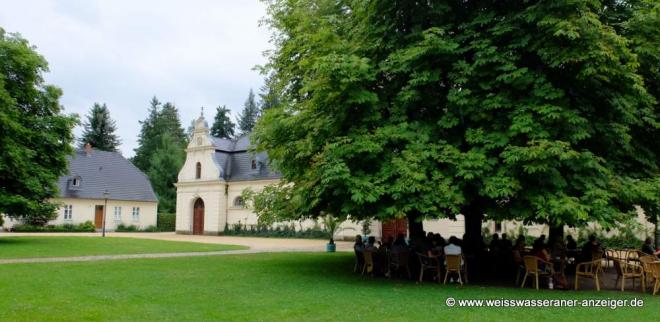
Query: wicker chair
x=532, y=268
x=428, y=263
x=368, y=265
x=454, y=265
x=398, y=261
x=590, y=270
x=625, y=270
x=655, y=268
x=645, y=261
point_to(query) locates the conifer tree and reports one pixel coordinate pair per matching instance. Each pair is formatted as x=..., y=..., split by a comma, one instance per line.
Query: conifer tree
x=222, y=127
x=248, y=117
x=99, y=129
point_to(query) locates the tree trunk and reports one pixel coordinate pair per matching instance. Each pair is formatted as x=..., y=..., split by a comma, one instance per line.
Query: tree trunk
x=415, y=227
x=473, y=218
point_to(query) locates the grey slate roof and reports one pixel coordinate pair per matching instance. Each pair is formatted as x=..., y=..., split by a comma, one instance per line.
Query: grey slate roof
x=236, y=161
x=101, y=170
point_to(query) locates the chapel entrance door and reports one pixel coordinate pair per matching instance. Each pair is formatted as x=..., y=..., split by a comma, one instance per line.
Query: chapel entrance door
x=198, y=217
x=394, y=227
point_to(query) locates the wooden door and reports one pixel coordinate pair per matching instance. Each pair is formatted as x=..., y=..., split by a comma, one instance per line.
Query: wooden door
x=98, y=217
x=394, y=227
x=198, y=217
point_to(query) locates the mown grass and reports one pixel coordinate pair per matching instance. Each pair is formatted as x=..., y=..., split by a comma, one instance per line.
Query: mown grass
x=273, y=287
x=55, y=246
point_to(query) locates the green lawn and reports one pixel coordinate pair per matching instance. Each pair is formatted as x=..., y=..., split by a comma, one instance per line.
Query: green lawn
x=276, y=287
x=48, y=246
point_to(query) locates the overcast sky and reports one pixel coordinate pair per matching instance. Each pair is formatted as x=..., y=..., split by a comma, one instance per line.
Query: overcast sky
x=120, y=52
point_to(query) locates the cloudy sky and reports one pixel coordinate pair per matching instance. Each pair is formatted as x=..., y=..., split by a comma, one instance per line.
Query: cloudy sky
x=121, y=52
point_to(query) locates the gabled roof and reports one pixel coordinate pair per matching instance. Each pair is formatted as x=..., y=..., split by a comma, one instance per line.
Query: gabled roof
x=235, y=160
x=99, y=171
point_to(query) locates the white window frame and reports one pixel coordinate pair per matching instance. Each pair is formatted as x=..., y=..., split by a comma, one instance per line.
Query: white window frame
x=136, y=214
x=68, y=212
x=117, y=212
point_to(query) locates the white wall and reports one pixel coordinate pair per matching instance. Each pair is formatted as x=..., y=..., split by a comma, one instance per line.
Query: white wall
x=84, y=210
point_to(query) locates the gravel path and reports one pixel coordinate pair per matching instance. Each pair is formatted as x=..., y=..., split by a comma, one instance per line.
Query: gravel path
x=256, y=245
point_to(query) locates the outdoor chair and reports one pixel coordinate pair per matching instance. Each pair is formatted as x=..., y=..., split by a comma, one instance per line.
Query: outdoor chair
x=625, y=270
x=428, y=263
x=645, y=261
x=532, y=268
x=655, y=268
x=454, y=266
x=589, y=270
x=359, y=260
x=398, y=261
x=612, y=254
x=598, y=256
x=368, y=265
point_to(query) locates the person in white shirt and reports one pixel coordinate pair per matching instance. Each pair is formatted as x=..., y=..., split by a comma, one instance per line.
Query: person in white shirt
x=453, y=249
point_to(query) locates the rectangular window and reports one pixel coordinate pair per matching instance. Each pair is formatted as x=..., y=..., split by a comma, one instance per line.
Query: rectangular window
x=68, y=212
x=117, y=213
x=136, y=213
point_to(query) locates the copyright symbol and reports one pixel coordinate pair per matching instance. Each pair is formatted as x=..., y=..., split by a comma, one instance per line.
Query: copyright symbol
x=450, y=301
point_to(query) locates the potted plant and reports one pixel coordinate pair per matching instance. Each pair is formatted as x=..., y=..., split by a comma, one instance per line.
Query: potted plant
x=331, y=225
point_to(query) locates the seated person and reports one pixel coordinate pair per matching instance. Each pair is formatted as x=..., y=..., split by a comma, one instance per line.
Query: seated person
x=371, y=244
x=570, y=243
x=453, y=248
x=495, y=244
x=359, y=245
x=400, y=243
x=388, y=244
x=589, y=249
x=647, y=247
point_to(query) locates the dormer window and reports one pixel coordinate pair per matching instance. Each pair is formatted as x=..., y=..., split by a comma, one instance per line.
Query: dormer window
x=254, y=164
x=198, y=171
x=75, y=183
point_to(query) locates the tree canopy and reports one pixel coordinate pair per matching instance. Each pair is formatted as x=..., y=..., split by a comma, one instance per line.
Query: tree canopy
x=99, y=129
x=35, y=135
x=222, y=127
x=537, y=111
x=248, y=117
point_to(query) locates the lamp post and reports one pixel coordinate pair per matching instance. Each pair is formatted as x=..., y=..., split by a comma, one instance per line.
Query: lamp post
x=105, y=209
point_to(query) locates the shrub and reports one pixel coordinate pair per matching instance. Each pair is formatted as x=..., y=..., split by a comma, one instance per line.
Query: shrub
x=125, y=228
x=280, y=231
x=87, y=226
x=166, y=222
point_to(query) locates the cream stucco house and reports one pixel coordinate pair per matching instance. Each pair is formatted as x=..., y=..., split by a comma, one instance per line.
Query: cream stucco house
x=216, y=172
x=98, y=183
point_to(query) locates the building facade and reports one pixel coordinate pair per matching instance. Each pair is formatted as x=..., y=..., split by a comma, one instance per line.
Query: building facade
x=103, y=184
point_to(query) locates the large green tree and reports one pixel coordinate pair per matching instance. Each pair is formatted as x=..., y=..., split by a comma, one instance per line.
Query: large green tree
x=160, y=151
x=517, y=110
x=249, y=115
x=222, y=127
x=35, y=136
x=164, y=167
x=99, y=129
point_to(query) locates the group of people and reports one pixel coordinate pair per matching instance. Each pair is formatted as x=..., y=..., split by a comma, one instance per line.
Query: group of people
x=501, y=257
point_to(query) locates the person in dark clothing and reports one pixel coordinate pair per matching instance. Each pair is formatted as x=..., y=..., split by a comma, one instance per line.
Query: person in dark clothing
x=505, y=243
x=570, y=243
x=647, y=247
x=589, y=249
